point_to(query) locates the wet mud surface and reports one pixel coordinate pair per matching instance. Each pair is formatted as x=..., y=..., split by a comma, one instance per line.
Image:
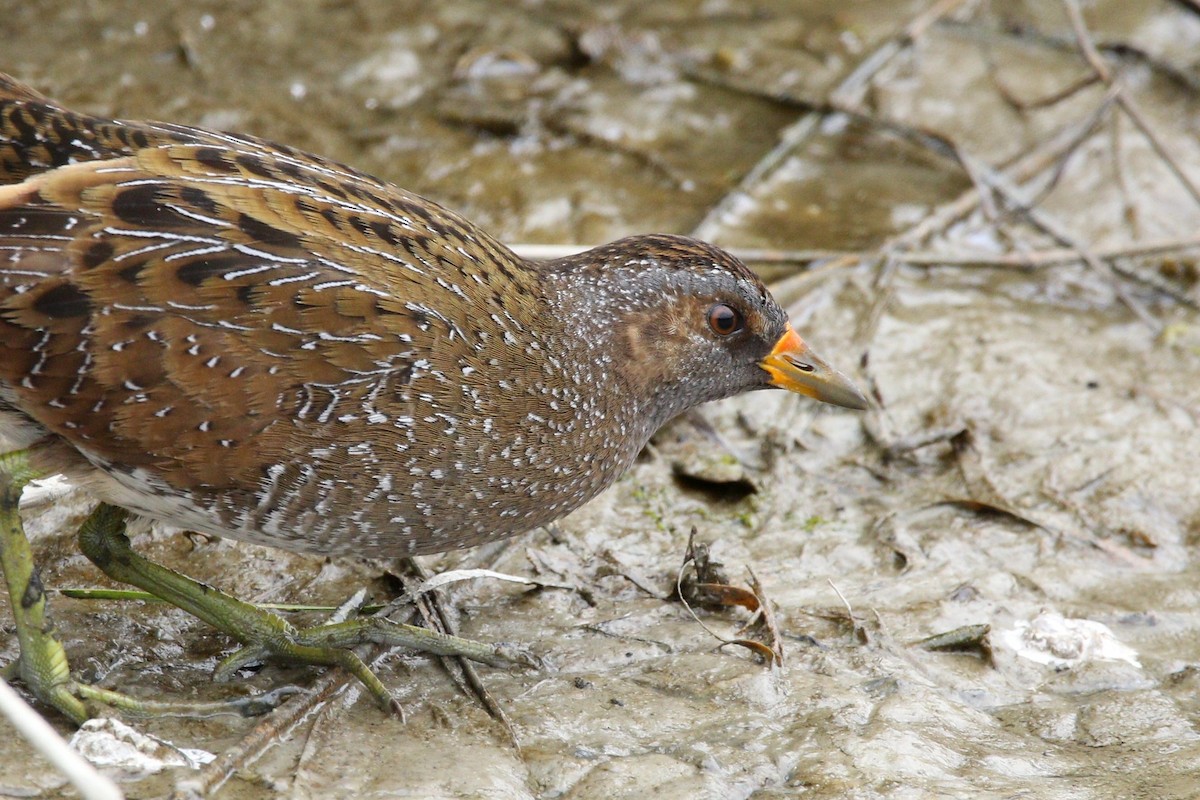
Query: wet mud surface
x=1031, y=462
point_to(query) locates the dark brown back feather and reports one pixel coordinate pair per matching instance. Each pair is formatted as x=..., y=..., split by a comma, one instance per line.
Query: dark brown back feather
x=181, y=287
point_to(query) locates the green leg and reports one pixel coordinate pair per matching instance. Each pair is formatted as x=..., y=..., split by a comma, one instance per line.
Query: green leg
x=266, y=636
x=42, y=663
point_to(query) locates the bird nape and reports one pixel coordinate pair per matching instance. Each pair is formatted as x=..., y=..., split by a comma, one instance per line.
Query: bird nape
x=243, y=339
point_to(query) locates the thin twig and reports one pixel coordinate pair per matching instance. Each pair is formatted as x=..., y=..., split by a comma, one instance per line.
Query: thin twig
x=1127, y=103
x=267, y=733
x=1029, y=165
x=1060, y=164
x=1016, y=197
x=1038, y=103
x=1157, y=284
x=1130, y=209
x=1177, y=75
x=1053, y=256
x=848, y=92
x=983, y=494
x=432, y=608
x=1027, y=260
x=1025, y=168
x=773, y=653
x=90, y=784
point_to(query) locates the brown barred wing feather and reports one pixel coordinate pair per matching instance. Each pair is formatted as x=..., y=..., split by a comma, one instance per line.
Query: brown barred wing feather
x=155, y=304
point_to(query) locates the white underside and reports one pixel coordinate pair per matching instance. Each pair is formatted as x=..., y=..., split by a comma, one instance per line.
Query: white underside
x=136, y=493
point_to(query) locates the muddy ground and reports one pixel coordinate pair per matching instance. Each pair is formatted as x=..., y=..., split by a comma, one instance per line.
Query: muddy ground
x=1033, y=348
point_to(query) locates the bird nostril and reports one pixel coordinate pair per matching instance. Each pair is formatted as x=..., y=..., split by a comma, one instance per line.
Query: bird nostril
x=801, y=365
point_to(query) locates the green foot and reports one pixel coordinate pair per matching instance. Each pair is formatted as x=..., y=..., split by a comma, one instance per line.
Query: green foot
x=42, y=663
x=266, y=636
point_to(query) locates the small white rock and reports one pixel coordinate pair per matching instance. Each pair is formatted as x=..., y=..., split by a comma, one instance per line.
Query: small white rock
x=1052, y=639
x=111, y=744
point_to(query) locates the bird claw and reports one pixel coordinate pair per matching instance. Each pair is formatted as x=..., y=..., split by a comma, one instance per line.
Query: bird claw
x=248, y=656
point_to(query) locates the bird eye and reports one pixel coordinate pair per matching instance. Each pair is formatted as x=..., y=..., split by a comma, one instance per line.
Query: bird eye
x=725, y=320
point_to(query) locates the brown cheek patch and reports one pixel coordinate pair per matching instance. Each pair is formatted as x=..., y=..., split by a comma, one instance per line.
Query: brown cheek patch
x=649, y=339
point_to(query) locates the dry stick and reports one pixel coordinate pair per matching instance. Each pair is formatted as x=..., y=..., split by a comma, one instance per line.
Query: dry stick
x=1053, y=256
x=1060, y=167
x=1127, y=103
x=274, y=727
x=982, y=492
x=271, y=730
x=1061, y=146
x=789, y=140
x=311, y=744
x=1125, y=51
x=978, y=197
x=1034, y=161
x=433, y=610
x=987, y=203
x=1028, y=260
x=1115, y=148
x=1156, y=284
x=855, y=85
x=930, y=140
x=1037, y=259
x=852, y=86
x=927, y=139
x=87, y=780
x=883, y=297
x=1051, y=226
x=1046, y=101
